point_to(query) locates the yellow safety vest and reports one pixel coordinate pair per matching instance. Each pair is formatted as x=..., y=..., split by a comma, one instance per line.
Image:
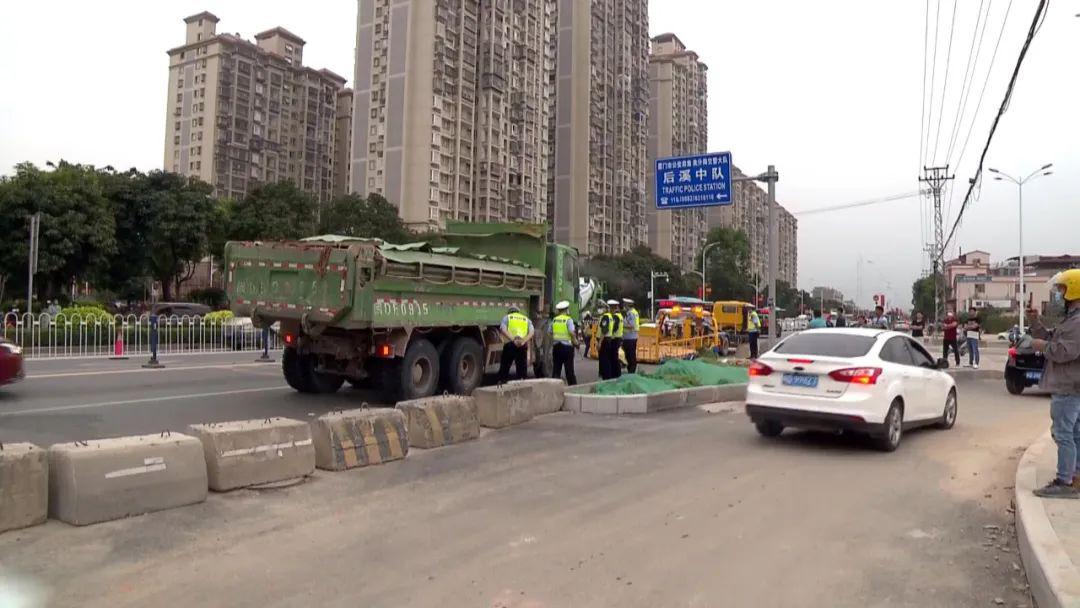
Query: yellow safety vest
x=517, y=325
x=754, y=323
x=607, y=320
x=560, y=329
x=618, y=330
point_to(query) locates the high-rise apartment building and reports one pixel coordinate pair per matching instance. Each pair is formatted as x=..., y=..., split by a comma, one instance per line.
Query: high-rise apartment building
x=451, y=107
x=601, y=88
x=678, y=126
x=343, y=142
x=241, y=113
x=749, y=212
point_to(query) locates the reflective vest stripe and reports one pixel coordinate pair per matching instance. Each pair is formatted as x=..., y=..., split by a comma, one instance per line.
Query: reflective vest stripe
x=517, y=325
x=560, y=328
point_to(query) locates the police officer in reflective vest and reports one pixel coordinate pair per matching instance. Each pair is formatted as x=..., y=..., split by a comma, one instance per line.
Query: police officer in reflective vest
x=611, y=332
x=517, y=330
x=631, y=321
x=564, y=349
x=753, y=330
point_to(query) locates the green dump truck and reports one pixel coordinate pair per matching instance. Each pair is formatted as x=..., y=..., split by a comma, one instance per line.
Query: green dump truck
x=411, y=319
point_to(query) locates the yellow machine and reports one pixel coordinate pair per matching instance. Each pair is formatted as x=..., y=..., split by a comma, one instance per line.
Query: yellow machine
x=678, y=332
x=731, y=315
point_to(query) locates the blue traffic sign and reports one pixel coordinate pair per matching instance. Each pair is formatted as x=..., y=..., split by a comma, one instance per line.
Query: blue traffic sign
x=701, y=180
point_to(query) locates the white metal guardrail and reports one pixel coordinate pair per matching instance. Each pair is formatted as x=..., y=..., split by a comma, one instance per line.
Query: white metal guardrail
x=61, y=336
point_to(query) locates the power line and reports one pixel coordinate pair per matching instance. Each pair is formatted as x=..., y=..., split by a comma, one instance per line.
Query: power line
x=944, y=82
x=863, y=203
x=989, y=70
x=933, y=80
x=1040, y=12
x=965, y=90
x=925, y=49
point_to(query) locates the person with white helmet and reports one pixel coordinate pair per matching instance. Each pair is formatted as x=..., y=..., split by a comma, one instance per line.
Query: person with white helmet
x=610, y=334
x=564, y=338
x=1061, y=378
x=517, y=329
x=631, y=322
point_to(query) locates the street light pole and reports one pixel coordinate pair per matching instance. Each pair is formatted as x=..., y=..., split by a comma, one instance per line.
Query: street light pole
x=704, y=256
x=999, y=176
x=653, y=275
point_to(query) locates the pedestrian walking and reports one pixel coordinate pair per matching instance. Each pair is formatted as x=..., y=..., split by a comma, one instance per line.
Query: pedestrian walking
x=631, y=322
x=841, y=320
x=753, y=330
x=1061, y=378
x=918, y=325
x=564, y=347
x=517, y=331
x=586, y=330
x=949, y=328
x=818, y=322
x=973, y=333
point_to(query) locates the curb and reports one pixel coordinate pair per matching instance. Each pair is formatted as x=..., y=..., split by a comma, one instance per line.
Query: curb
x=1052, y=576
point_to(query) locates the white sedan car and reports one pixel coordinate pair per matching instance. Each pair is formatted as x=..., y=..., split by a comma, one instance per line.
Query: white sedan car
x=866, y=380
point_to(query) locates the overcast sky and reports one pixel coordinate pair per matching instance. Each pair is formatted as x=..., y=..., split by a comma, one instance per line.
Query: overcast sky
x=829, y=92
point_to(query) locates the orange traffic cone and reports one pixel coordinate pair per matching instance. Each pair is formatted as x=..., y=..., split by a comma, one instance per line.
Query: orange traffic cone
x=118, y=347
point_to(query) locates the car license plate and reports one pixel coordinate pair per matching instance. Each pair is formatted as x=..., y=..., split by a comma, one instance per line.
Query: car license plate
x=800, y=380
x=1036, y=376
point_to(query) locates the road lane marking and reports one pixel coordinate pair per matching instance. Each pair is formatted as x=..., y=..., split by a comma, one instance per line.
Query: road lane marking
x=141, y=371
x=83, y=406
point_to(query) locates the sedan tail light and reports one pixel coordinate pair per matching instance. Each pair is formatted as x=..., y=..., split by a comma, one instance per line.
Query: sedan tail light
x=856, y=375
x=1012, y=352
x=759, y=369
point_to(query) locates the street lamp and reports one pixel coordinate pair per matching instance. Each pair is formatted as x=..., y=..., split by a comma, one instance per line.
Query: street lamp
x=704, y=257
x=652, y=291
x=1000, y=176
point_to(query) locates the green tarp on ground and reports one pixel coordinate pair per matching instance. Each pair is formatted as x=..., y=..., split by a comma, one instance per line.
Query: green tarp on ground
x=672, y=375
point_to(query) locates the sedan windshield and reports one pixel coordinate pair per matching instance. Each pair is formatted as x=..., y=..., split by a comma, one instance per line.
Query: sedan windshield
x=826, y=345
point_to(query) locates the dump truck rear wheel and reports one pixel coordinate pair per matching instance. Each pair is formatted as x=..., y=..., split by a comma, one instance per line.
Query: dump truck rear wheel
x=418, y=372
x=463, y=367
x=300, y=374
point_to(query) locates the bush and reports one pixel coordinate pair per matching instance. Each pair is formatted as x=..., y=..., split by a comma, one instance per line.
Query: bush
x=218, y=316
x=214, y=297
x=87, y=313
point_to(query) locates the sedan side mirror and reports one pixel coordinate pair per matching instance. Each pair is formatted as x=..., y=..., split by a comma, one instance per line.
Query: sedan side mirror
x=943, y=363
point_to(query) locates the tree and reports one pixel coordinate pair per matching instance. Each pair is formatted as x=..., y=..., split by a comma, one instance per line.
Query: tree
x=182, y=218
x=273, y=212
x=728, y=265
x=922, y=296
x=77, y=231
x=371, y=217
x=627, y=275
x=128, y=267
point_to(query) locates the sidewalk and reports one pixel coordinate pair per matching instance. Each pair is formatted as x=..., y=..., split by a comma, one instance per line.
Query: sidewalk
x=1048, y=530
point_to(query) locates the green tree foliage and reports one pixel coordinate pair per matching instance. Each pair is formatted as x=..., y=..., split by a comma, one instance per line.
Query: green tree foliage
x=183, y=218
x=371, y=217
x=273, y=212
x=728, y=265
x=922, y=296
x=627, y=276
x=77, y=232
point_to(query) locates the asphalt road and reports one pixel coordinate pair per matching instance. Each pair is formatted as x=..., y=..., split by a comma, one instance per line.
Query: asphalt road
x=73, y=399
x=683, y=508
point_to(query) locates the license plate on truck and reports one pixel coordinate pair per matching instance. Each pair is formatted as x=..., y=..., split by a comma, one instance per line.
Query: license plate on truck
x=802, y=380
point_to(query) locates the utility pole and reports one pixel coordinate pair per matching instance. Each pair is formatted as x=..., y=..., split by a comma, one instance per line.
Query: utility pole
x=937, y=177
x=653, y=275
x=32, y=260
x=770, y=178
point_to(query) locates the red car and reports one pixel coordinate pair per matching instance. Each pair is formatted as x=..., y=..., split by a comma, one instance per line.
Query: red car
x=11, y=362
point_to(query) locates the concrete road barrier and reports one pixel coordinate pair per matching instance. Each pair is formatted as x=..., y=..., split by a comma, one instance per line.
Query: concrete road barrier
x=548, y=395
x=504, y=405
x=107, y=479
x=439, y=421
x=251, y=452
x=24, y=485
x=359, y=438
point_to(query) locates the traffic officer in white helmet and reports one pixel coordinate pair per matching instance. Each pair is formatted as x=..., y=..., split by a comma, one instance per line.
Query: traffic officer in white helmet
x=517, y=329
x=564, y=339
